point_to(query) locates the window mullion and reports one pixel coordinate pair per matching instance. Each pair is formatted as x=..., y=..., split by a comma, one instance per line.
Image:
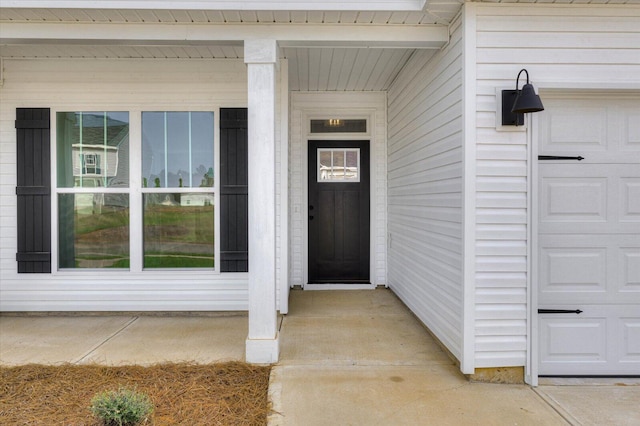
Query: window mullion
x=166, y=152
x=135, y=179
x=190, y=158
x=81, y=153
x=104, y=148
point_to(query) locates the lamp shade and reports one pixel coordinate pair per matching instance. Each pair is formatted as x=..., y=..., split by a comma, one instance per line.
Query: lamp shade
x=527, y=101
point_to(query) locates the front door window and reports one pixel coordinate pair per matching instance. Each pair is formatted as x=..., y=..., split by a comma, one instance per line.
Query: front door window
x=338, y=165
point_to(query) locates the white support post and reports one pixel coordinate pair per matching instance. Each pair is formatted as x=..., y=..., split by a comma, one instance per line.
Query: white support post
x=262, y=342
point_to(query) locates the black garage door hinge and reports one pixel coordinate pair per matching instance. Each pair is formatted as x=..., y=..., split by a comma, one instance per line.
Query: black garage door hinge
x=559, y=311
x=559, y=157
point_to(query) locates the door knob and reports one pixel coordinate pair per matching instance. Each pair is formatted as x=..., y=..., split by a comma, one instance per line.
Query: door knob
x=310, y=217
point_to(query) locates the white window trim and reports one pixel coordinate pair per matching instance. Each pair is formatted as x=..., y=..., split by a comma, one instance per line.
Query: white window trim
x=135, y=190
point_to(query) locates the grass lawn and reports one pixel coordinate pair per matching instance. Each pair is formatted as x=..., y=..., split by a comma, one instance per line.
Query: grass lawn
x=232, y=393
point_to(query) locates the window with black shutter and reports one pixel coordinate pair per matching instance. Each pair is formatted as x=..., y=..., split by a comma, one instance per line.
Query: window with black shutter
x=90, y=167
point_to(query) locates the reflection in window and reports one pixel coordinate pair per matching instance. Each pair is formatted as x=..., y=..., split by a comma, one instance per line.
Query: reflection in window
x=177, y=149
x=178, y=230
x=93, y=149
x=338, y=165
x=93, y=230
x=91, y=164
x=93, y=152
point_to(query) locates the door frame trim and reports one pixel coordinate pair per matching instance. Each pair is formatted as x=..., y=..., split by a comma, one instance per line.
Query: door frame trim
x=323, y=113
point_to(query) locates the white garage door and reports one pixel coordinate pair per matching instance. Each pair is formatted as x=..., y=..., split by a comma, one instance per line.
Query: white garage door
x=589, y=236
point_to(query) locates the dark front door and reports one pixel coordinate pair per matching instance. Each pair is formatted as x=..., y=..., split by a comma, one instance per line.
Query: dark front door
x=338, y=212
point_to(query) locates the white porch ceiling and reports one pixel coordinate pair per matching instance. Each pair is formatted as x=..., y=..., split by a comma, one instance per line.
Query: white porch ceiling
x=345, y=69
x=310, y=69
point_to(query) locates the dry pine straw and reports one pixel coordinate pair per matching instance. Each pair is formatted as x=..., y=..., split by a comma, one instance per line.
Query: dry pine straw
x=232, y=393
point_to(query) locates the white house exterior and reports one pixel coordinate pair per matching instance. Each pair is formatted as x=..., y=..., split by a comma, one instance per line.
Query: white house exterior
x=452, y=210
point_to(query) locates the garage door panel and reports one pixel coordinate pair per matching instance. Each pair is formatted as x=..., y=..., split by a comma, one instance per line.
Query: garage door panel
x=602, y=340
x=630, y=199
x=630, y=340
x=573, y=270
x=598, y=198
x=631, y=133
x=629, y=269
x=598, y=131
x=589, y=269
x=573, y=339
x=581, y=128
x=574, y=199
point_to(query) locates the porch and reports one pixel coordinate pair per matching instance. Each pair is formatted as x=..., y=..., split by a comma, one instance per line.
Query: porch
x=347, y=357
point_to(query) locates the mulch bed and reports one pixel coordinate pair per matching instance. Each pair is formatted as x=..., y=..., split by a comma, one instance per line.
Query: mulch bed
x=232, y=393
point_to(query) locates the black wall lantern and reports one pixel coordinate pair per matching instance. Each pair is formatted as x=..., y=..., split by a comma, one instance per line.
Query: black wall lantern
x=515, y=103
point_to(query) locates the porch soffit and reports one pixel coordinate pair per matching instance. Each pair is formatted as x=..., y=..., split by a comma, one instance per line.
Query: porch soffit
x=440, y=12
x=226, y=4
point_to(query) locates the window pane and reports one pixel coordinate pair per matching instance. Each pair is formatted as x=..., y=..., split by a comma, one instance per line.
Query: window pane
x=177, y=161
x=93, y=230
x=178, y=230
x=93, y=149
x=177, y=149
x=153, y=150
x=351, y=167
x=338, y=164
x=324, y=167
x=202, y=149
x=337, y=125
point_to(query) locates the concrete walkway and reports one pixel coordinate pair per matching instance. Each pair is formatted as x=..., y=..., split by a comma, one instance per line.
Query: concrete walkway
x=347, y=358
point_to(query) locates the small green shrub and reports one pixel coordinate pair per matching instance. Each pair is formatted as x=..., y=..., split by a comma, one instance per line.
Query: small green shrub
x=124, y=407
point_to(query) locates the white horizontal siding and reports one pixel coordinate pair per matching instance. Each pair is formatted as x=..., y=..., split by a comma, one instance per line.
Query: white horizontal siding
x=425, y=189
x=573, y=45
x=76, y=84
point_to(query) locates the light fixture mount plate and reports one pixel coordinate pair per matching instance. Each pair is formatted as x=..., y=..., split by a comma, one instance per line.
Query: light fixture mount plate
x=510, y=118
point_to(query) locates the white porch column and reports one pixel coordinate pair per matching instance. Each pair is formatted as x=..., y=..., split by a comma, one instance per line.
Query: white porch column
x=261, y=58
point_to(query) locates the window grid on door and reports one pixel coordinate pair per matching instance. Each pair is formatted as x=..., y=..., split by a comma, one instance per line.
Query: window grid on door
x=338, y=165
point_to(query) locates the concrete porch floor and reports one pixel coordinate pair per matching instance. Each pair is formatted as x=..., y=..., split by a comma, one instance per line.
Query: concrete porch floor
x=347, y=358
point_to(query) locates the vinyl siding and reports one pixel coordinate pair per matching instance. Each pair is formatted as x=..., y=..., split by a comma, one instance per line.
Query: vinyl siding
x=76, y=84
x=562, y=47
x=425, y=169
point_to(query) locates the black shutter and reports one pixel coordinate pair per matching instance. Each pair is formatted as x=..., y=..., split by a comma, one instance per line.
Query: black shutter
x=33, y=190
x=234, y=209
